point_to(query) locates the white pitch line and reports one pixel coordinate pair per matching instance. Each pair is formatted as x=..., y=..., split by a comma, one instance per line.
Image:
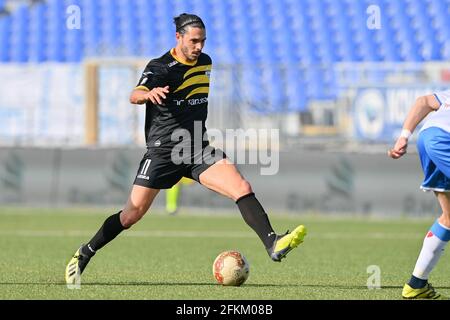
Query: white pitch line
x=208, y=234
x=153, y=233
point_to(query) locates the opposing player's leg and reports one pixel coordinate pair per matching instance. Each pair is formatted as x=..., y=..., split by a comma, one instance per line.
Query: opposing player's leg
x=433, y=247
x=224, y=178
x=434, y=163
x=137, y=205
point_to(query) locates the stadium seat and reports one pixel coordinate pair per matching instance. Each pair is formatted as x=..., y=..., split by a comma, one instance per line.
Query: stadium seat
x=321, y=31
x=37, y=35
x=295, y=89
x=431, y=51
x=91, y=27
x=421, y=20
x=445, y=52
x=315, y=84
x=440, y=11
x=73, y=42
x=288, y=51
x=165, y=34
x=341, y=31
x=147, y=30
x=253, y=92
x=110, y=28
x=20, y=27
x=275, y=88
x=56, y=30
x=5, y=31
x=129, y=32
x=309, y=34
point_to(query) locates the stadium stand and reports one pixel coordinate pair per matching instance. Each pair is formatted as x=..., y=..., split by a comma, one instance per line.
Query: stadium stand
x=312, y=34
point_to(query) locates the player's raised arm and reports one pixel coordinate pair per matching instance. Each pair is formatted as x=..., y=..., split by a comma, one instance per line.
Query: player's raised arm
x=141, y=95
x=421, y=108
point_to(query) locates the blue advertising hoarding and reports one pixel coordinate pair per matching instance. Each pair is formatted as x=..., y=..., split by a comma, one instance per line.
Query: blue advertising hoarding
x=379, y=112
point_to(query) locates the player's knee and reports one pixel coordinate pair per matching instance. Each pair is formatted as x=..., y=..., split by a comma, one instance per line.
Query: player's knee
x=131, y=216
x=445, y=219
x=243, y=189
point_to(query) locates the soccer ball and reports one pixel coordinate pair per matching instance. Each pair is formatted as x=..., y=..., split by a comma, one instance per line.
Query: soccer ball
x=231, y=268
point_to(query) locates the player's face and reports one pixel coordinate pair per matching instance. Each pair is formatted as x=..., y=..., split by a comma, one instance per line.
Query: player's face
x=192, y=42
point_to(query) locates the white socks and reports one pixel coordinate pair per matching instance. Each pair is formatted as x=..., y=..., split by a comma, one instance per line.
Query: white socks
x=432, y=249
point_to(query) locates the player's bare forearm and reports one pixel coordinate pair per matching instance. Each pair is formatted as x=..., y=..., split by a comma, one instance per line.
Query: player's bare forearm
x=155, y=96
x=139, y=96
x=421, y=108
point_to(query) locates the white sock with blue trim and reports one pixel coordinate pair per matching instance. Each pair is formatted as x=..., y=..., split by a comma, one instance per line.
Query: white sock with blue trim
x=432, y=249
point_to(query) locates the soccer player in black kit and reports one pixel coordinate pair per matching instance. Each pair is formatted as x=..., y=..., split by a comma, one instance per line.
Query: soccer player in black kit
x=175, y=90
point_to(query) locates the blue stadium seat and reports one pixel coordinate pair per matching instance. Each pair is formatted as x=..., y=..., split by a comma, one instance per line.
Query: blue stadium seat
x=147, y=30
x=91, y=27
x=223, y=52
x=38, y=35
x=180, y=7
x=110, y=30
x=266, y=48
x=308, y=31
x=431, y=51
x=221, y=22
x=367, y=48
x=304, y=33
x=253, y=92
x=245, y=45
x=440, y=10
x=445, y=51
x=402, y=28
x=331, y=85
x=56, y=30
x=73, y=42
x=287, y=50
x=341, y=29
x=274, y=86
x=129, y=31
x=165, y=29
x=314, y=85
x=301, y=27
x=203, y=10
x=295, y=89
x=5, y=36
x=20, y=27
x=421, y=20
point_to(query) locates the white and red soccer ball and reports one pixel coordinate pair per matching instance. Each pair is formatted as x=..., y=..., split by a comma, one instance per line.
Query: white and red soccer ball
x=231, y=268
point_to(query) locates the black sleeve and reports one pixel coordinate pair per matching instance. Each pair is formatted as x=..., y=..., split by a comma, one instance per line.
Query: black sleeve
x=208, y=59
x=154, y=75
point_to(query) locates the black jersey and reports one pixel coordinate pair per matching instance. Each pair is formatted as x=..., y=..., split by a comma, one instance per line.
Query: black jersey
x=185, y=105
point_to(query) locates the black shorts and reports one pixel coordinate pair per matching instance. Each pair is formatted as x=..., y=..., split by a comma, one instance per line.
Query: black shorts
x=160, y=172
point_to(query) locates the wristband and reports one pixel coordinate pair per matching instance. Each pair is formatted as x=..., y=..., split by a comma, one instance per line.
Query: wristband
x=405, y=134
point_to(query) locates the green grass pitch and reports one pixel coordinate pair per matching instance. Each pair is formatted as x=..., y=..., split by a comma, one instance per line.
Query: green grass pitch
x=170, y=257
